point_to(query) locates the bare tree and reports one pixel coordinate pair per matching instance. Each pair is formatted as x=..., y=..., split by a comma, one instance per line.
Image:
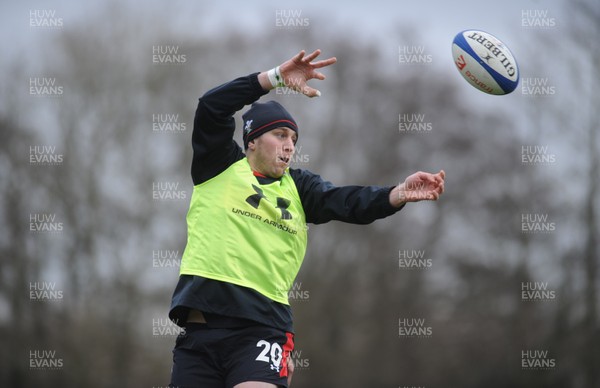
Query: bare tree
x=356, y=292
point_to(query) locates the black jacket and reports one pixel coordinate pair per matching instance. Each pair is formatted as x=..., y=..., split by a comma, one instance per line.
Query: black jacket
x=215, y=150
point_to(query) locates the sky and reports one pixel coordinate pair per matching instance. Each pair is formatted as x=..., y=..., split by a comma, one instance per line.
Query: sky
x=438, y=21
x=432, y=25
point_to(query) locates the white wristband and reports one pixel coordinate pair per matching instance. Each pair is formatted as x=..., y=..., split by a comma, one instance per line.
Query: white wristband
x=275, y=77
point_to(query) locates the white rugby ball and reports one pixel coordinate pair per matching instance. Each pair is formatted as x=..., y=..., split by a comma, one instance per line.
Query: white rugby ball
x=485, y=62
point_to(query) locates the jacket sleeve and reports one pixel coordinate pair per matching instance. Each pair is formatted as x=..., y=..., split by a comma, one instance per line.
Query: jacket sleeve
x=214, y=125
x=324, y=202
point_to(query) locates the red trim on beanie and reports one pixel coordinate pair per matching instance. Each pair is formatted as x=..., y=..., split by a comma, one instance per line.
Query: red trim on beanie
x=271, y=123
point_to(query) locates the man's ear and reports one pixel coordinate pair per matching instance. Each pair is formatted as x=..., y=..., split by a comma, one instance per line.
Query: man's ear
x=252, y=144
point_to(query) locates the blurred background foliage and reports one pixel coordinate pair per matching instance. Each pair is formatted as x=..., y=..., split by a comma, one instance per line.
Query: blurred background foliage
x=354, y=292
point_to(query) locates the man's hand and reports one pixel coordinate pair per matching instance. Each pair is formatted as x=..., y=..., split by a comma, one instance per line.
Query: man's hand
x=299, y=70
x=420, y=186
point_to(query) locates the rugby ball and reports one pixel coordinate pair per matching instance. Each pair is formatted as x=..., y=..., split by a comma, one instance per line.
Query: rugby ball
x=485, y=62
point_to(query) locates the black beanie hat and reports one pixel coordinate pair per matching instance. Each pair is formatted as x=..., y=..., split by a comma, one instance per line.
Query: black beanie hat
x=263, y=117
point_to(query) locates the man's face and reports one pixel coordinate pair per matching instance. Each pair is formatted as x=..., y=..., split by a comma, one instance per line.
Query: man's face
x=273, y=151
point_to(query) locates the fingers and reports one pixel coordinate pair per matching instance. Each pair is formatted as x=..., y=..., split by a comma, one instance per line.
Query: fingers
x=433, y=195
x=439, y=190
x=324, y=62
x=319, y=76
x=298, y=57
x=301, y=69
x=425, y=176
x=432, y=178
x=310, y=92
x=424, y=186
x=311, y=56
x=440, y=177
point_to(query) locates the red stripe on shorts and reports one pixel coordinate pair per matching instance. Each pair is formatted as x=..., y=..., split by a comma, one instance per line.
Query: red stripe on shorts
x=287, y=349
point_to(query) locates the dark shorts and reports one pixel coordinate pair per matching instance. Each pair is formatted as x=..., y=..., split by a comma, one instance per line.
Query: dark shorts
x=223, y=357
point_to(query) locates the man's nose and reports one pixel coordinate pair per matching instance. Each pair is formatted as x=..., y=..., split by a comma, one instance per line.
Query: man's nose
x=288, y=146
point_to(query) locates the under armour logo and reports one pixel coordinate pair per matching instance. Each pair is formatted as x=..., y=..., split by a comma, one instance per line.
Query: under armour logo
x=254, y=200
x=282, y=203
x=248, y=126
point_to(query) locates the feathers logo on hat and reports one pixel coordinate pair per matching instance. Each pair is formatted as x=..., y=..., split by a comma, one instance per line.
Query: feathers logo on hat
x=248, y=126
x=263, y=117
